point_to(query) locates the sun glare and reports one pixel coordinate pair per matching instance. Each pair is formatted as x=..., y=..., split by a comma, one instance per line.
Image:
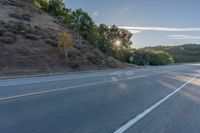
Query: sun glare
x=117, y=43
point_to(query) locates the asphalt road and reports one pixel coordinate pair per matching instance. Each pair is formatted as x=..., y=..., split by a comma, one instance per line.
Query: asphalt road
x=148, y=100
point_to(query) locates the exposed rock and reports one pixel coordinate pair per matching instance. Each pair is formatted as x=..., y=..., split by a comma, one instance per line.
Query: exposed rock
x=77, y=52
x=2, y=22
x=31, y=36
x=25, y=17
x=8, y=38
x=2, y=32
x=98, y=53
x=95, y=60
x=52, y=37
x=74, y=64
x=100, y=62
x=91, y=57
x=17, y=27
x=23, y=28
x=72, y=54
x=80, y=46
x=111, y=62
x=37, y=28
x=10, y=3
x=51, y=42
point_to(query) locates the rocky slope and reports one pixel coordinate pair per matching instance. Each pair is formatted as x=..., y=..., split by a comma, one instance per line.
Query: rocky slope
x=28, y=43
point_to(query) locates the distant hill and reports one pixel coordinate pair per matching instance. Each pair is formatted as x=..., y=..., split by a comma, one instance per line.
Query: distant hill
x=182, y=53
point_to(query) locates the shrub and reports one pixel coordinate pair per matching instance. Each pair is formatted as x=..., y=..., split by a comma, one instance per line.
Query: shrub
x=65, y=43
x=42, y=4
x=149, y=57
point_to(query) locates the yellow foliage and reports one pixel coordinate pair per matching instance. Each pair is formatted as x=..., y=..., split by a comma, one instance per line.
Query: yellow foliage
x=42, y=4
x=65, y=39
x=65, y=42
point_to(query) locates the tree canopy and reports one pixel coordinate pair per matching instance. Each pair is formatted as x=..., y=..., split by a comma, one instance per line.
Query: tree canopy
x=150, y=57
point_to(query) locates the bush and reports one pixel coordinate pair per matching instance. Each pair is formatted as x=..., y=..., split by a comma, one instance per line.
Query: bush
x=149, y=57
x=42, y=4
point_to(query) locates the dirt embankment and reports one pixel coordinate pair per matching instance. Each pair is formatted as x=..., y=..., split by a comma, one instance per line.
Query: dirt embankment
x=28, y=43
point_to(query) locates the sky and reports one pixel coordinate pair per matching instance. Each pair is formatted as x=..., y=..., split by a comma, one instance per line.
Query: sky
x=152, y=22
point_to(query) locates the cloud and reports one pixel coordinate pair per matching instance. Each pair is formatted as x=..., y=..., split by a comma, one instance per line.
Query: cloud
x=135, y=31
x=95, y=14
x=183, y=37
x=160, y=29
x=127, y=9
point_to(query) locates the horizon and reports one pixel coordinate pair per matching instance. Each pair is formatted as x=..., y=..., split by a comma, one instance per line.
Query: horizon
x=152, y=23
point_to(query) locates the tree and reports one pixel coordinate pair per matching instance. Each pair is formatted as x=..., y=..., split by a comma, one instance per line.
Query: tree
x=103, y=37
x=161, y=58
x=67, y=18
x=107, y=38
x=150, y=57
x=82, y=23
x=65, y=43
x=56, y=8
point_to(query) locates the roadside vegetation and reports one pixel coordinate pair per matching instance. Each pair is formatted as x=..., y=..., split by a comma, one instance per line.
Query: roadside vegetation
x=150, y=57
x=113, y=41
x=181, y=54
x=65, y=44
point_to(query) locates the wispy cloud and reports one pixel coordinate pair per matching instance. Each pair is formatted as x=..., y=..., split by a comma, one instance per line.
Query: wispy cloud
x=135, y=31
x=183, y=37
x=126, y=9
x=160, y=29
x=95, y=14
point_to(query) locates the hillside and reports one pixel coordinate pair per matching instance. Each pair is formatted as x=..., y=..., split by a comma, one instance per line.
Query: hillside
x=181, y=54
x=28, y=43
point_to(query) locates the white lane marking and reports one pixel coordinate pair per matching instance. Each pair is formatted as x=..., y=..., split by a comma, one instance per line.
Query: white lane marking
x=150, y=109
x=78, y=86
x=62, y=89
x=156, y=72
x=53, y=80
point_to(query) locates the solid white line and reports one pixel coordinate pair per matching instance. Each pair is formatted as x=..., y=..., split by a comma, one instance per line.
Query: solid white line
x=150, y=109
x=79, y=86
x=51, y=80
x=62, y=89
x=110, y=74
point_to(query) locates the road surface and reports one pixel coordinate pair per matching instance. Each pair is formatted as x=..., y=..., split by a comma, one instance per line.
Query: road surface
x=163, y=99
